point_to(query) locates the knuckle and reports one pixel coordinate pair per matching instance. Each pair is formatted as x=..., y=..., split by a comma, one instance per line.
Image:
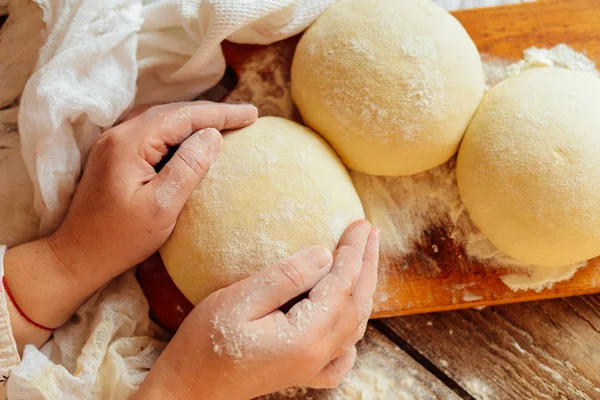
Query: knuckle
x=343, y=283
x=350, y=252
x=174, y=116
x=293, y=274
x=199, y=162
x=223, y=121
x=107, y=140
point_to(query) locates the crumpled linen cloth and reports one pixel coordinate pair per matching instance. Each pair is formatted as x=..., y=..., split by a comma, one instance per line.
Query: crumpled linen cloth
x=95, y=51
x=68, y=70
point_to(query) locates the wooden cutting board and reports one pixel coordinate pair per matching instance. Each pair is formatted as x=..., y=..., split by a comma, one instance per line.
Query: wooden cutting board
x=431, y=254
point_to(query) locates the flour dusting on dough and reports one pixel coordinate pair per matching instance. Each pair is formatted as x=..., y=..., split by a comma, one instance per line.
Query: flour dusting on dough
x=407, y=209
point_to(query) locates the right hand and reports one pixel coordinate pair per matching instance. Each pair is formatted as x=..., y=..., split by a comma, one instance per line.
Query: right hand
x=238, y=344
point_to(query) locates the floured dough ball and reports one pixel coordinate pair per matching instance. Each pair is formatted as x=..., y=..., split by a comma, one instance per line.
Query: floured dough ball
x=275, y=189
x=390, y=84
x=529, y=167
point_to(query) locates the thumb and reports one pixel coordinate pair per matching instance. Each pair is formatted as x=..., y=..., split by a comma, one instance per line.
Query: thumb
x=175, y=182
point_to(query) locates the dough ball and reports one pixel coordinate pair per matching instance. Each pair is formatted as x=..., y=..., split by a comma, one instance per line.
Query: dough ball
x=529, y=167
x=390, y=84
x=275, y=189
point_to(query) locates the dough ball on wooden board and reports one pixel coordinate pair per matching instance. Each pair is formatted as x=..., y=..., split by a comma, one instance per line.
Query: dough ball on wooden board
x=391, y=85
x=275, y=189
x=528, y=169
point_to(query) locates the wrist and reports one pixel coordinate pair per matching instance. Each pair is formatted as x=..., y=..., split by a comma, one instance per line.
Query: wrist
x=77, y=258
x=44, y=287
x=168, y=379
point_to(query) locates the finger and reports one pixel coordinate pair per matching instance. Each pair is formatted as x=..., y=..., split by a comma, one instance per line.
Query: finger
x=351, y=328
x=168, y=125
x=164, y=107
x=175, y=182
x=328, y=298
x=367, y=280
x=334, y=372
x=285, y=280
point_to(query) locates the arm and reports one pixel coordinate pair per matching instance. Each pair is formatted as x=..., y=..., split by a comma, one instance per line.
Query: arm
x=122, y=212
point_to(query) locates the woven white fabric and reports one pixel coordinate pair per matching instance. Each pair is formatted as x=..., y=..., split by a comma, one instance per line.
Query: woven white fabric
x=104, y=352
x=93, y=53
x=84, y=79
x=180, y=54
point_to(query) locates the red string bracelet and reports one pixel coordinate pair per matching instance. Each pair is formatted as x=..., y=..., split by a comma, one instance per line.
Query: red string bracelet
x=12, y=299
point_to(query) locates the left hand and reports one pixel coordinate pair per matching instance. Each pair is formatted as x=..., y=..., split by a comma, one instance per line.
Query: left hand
x=122, y=211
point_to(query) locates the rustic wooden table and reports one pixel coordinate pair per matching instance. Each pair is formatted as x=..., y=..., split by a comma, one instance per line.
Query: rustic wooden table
x=540, y=350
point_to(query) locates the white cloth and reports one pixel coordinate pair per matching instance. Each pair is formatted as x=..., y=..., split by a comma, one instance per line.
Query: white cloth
x=93, y=53
x=87, y=69
x=104, y=352
x=84, y=79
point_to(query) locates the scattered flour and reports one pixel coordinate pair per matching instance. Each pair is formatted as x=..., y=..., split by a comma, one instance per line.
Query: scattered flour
x=478, y=389
x=561, y=56
x=519, y=348
x=494, y=69
x=373, y=378
x=424, y=213
x=468, y=296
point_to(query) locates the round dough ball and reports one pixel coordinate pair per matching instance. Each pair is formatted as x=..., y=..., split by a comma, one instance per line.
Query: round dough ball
x=529, y=167
x=275, y=189
x=391, y=85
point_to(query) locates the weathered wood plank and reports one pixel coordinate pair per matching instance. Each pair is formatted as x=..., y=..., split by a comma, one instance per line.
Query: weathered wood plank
x=542, y=350
x=507, y=30
x=382, y=371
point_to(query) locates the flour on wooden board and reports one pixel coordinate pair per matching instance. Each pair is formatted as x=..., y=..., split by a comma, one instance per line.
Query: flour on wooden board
x=406, y=208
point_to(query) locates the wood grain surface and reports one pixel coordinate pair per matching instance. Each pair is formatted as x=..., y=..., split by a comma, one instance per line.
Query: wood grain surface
x=541, y=350
x=507, y=30
x=382, y=371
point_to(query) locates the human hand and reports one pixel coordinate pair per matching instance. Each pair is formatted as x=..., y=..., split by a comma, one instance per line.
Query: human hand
x=237, y=344
x=123, y=210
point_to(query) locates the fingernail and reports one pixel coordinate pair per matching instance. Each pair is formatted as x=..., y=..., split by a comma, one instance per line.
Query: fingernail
x=212, y=139
x=377, y=233
x=319, y=256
